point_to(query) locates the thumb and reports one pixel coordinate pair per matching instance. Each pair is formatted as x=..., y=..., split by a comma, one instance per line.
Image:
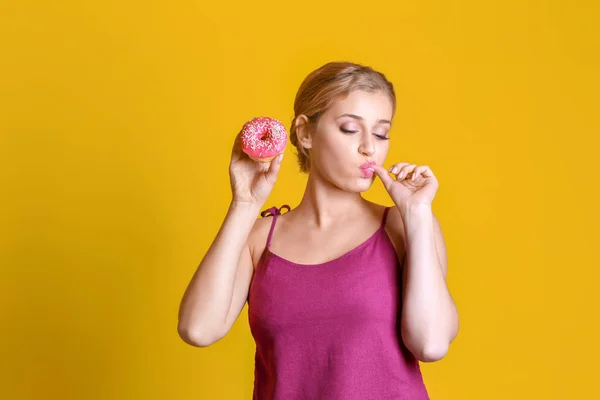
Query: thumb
x=384, y=175
x=271, y=174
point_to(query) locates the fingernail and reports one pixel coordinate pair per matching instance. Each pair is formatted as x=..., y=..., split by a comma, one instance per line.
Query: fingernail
x=395, y=170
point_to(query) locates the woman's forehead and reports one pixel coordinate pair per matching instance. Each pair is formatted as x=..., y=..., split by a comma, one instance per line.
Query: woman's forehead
x=369, y=106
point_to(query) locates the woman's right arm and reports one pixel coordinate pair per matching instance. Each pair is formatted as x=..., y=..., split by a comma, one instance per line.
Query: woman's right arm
x=219, y=287
x=211, y=302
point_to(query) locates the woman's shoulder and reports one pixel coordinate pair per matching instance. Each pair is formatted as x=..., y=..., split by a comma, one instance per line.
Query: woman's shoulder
x=394, y=226
x=258, y=236
x=393, y=215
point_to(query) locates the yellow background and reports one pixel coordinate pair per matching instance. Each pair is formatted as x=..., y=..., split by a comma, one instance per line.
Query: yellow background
x=116, y=122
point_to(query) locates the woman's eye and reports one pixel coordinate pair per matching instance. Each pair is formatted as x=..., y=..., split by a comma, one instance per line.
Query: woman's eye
x=378, y=136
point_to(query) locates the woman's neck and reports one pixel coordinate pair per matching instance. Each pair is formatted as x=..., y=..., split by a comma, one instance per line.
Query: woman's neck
x=324, y=204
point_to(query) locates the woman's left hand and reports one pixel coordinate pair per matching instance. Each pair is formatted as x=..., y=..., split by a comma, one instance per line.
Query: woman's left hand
x=414, y=185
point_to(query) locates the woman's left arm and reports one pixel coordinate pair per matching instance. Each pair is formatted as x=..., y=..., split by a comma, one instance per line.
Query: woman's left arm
x=429, y=316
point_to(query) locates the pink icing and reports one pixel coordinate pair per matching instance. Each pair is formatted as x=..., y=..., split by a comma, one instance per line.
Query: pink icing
x=263, y=137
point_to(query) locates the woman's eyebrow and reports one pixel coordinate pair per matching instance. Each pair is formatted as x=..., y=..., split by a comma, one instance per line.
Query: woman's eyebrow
x=359, y=118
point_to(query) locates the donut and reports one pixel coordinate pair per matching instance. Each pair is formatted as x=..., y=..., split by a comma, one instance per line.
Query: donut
x=263, y=138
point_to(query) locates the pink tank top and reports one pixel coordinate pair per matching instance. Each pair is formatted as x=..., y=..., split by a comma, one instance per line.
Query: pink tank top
x=331, y=331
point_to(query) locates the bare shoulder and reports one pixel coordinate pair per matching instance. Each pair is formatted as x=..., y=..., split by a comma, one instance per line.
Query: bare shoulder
x=394, y=227
x=395, y=230
x=257, y=239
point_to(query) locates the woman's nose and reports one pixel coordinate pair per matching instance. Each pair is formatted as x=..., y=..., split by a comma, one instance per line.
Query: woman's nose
x=367, y=147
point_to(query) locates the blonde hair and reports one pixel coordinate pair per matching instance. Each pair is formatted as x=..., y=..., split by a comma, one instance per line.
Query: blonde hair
x=327, y=84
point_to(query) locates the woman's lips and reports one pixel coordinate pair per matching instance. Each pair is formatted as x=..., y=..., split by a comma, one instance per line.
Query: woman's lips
x=367, y=173
x=367, y=164
x=366, y=169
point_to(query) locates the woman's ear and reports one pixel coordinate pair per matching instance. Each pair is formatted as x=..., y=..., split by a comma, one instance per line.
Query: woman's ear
x=303, y=131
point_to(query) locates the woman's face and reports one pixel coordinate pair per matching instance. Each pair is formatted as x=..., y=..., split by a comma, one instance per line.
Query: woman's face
x=354, y=131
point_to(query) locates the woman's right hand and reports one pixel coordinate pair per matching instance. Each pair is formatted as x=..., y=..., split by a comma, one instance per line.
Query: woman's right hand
x=251, y=181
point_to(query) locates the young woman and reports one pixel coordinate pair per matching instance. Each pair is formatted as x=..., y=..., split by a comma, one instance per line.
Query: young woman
x=345, y=296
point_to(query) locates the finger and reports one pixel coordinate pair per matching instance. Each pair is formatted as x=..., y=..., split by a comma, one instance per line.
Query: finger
x=427, y=172
x=422, y=170
x=395, y=169
x=274, y=167
x=383, y=174
x=236, y=151
x=237, y=144
x=406, y=171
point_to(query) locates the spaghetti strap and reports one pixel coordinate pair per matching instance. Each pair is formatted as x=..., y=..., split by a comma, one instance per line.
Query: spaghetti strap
x=385, y=213
x=273, y=212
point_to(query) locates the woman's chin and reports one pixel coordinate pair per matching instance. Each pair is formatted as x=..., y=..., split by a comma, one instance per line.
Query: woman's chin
x=363, y=183
x=354, y=183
